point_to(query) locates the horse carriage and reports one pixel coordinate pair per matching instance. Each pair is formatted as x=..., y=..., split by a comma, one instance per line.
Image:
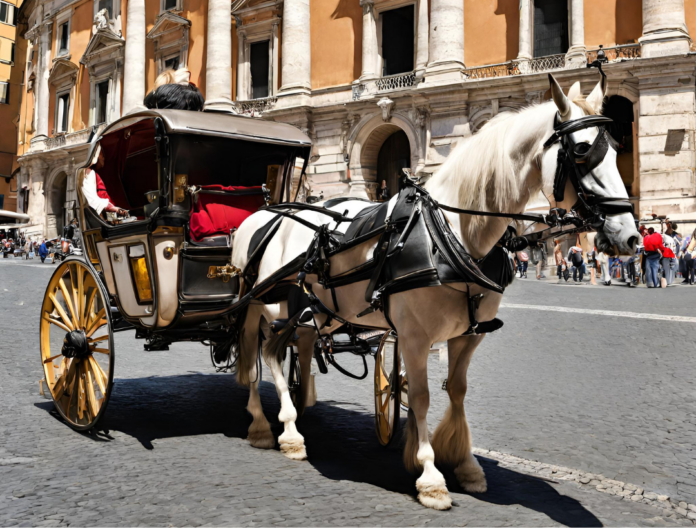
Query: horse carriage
x=187, y=180
x=216, y=250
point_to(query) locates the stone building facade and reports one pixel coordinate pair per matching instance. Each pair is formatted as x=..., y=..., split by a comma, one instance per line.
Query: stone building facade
x=380, y=85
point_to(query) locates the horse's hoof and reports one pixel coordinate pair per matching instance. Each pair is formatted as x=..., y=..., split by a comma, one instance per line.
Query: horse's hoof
x=292, y=446
x=293, y=451
x=433, y=496
x=261, y=439
x=471, y=481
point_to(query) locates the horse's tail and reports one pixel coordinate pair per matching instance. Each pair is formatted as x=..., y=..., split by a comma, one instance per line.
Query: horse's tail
x=278, y=342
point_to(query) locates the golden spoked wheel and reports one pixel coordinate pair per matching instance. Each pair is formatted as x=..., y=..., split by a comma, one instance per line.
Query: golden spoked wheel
x=388, y=382
x=77, y=346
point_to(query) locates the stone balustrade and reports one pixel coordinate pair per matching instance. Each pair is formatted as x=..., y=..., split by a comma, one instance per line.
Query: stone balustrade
x=44, y=143
x=255, y=107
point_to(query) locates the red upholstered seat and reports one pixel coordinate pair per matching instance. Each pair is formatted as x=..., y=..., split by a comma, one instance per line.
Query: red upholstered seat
x=217, y=214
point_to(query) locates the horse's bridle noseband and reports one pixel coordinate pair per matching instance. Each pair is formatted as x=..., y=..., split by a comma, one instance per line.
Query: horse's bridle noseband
x=577, y=160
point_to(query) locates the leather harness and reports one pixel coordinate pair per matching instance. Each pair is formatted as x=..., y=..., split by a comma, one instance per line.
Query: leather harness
x=399, y=265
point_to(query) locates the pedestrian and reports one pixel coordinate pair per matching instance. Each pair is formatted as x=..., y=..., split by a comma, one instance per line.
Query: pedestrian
x=539, y=259
x=669, y=257
x=578, y=263
x=689, y=252
x=603, y=260
x=522, y=263
x=43, y=251
x=654, y=249
x=592, y=264
x=560, y=261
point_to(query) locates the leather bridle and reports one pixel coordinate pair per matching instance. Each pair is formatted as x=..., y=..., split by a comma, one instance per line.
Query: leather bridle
x=578, y=160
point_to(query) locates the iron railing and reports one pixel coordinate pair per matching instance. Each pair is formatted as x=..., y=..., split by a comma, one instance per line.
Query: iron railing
x=396, y=82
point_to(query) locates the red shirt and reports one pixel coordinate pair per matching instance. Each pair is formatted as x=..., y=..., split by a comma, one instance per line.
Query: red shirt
x=653, y=242
x=101, y=188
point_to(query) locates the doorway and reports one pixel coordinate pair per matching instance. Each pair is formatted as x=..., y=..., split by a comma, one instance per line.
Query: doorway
x=55, y=210
x=394, y=155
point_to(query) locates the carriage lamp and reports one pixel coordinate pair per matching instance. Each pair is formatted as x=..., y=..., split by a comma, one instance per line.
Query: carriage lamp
x=140, y=273
x=180, y=184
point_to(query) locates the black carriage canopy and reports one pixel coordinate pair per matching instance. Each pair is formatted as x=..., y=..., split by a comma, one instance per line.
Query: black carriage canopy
x=210, y=148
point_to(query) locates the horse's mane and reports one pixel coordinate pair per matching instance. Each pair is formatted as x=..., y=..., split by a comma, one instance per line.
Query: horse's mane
x=490, y=159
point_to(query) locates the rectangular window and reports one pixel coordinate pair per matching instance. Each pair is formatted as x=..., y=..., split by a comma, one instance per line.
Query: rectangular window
x=397, y=40
x=6, y=50
x=258, y=52
x=550, y=27
x=169, y=4
x=101, y=92
x=172, y=63
x=108, y=5
x=62, y=110
x=7, y=13
x=2, y=200
x=4, y=93
x=63, y=38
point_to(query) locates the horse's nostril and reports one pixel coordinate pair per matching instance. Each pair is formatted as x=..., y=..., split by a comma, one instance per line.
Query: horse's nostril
x=632, y=242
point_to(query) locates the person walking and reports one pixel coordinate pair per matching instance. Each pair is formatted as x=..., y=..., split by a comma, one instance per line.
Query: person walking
x=654, y=249
x=603, y=260
x=539, y=259
x=575, y=258
x=43, y=251
x=560, y=261
x=522, y=263
x=669, y=257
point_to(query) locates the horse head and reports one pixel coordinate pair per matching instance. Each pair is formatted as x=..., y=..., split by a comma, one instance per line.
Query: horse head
x=600, y=177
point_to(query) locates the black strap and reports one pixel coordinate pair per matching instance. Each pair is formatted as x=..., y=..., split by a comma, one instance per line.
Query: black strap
x=382, y=250
x=338, y=217
x=539, y=218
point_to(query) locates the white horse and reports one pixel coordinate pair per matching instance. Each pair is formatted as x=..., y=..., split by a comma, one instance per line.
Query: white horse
x=496, y=170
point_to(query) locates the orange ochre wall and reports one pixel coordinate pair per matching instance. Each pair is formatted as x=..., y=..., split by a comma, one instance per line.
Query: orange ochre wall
x=80, y=34
x=613, y=22
x=690, y=12
x=336, y=32
x=491, y=31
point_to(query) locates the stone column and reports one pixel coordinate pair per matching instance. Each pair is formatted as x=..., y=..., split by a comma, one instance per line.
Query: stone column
x=242, y=86
x=296, y=70
x=576, y=53
x=218, y=64
x=274, y=58
x=134, y=68
x=664, y=29
x=369, y=42
x=446, y=42
x=42, y=101
x=524, y=53
x=422, y=37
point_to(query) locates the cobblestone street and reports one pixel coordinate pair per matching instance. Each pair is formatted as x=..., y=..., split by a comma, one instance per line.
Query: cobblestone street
x=610, y=395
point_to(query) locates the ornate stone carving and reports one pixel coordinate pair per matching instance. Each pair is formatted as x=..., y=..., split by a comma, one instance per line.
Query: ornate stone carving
x=101, y=19
x=422, y=115
x=386, y=106
x=396, y=82
x=367, y=5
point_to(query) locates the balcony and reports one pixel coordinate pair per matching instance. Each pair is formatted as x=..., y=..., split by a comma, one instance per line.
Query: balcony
x=45, y=143
x=549, y=63
x=255, y=107
x=388, y=83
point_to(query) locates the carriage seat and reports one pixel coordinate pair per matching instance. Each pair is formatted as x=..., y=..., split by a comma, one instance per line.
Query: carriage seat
x=219, y=210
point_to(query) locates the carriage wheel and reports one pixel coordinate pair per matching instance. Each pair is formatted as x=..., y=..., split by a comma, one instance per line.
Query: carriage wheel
x=77, y=345
x=388, y=383
x=295, y=380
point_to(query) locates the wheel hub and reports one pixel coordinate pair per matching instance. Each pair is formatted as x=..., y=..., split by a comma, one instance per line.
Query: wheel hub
x=75, y=345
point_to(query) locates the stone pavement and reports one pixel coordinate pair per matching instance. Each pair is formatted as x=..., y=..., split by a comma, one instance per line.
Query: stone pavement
x=174, y=452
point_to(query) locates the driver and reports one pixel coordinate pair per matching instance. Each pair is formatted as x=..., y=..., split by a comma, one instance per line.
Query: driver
x=94, y=190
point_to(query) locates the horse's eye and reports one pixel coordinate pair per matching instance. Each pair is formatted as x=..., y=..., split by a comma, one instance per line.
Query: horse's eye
x=581, y=149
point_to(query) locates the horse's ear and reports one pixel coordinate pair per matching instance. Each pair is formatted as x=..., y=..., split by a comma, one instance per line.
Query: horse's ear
x=562, y=102
x=596, y=98
x=575, y=91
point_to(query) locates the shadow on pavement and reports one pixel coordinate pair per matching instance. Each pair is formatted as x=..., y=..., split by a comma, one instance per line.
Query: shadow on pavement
x=341, y=443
